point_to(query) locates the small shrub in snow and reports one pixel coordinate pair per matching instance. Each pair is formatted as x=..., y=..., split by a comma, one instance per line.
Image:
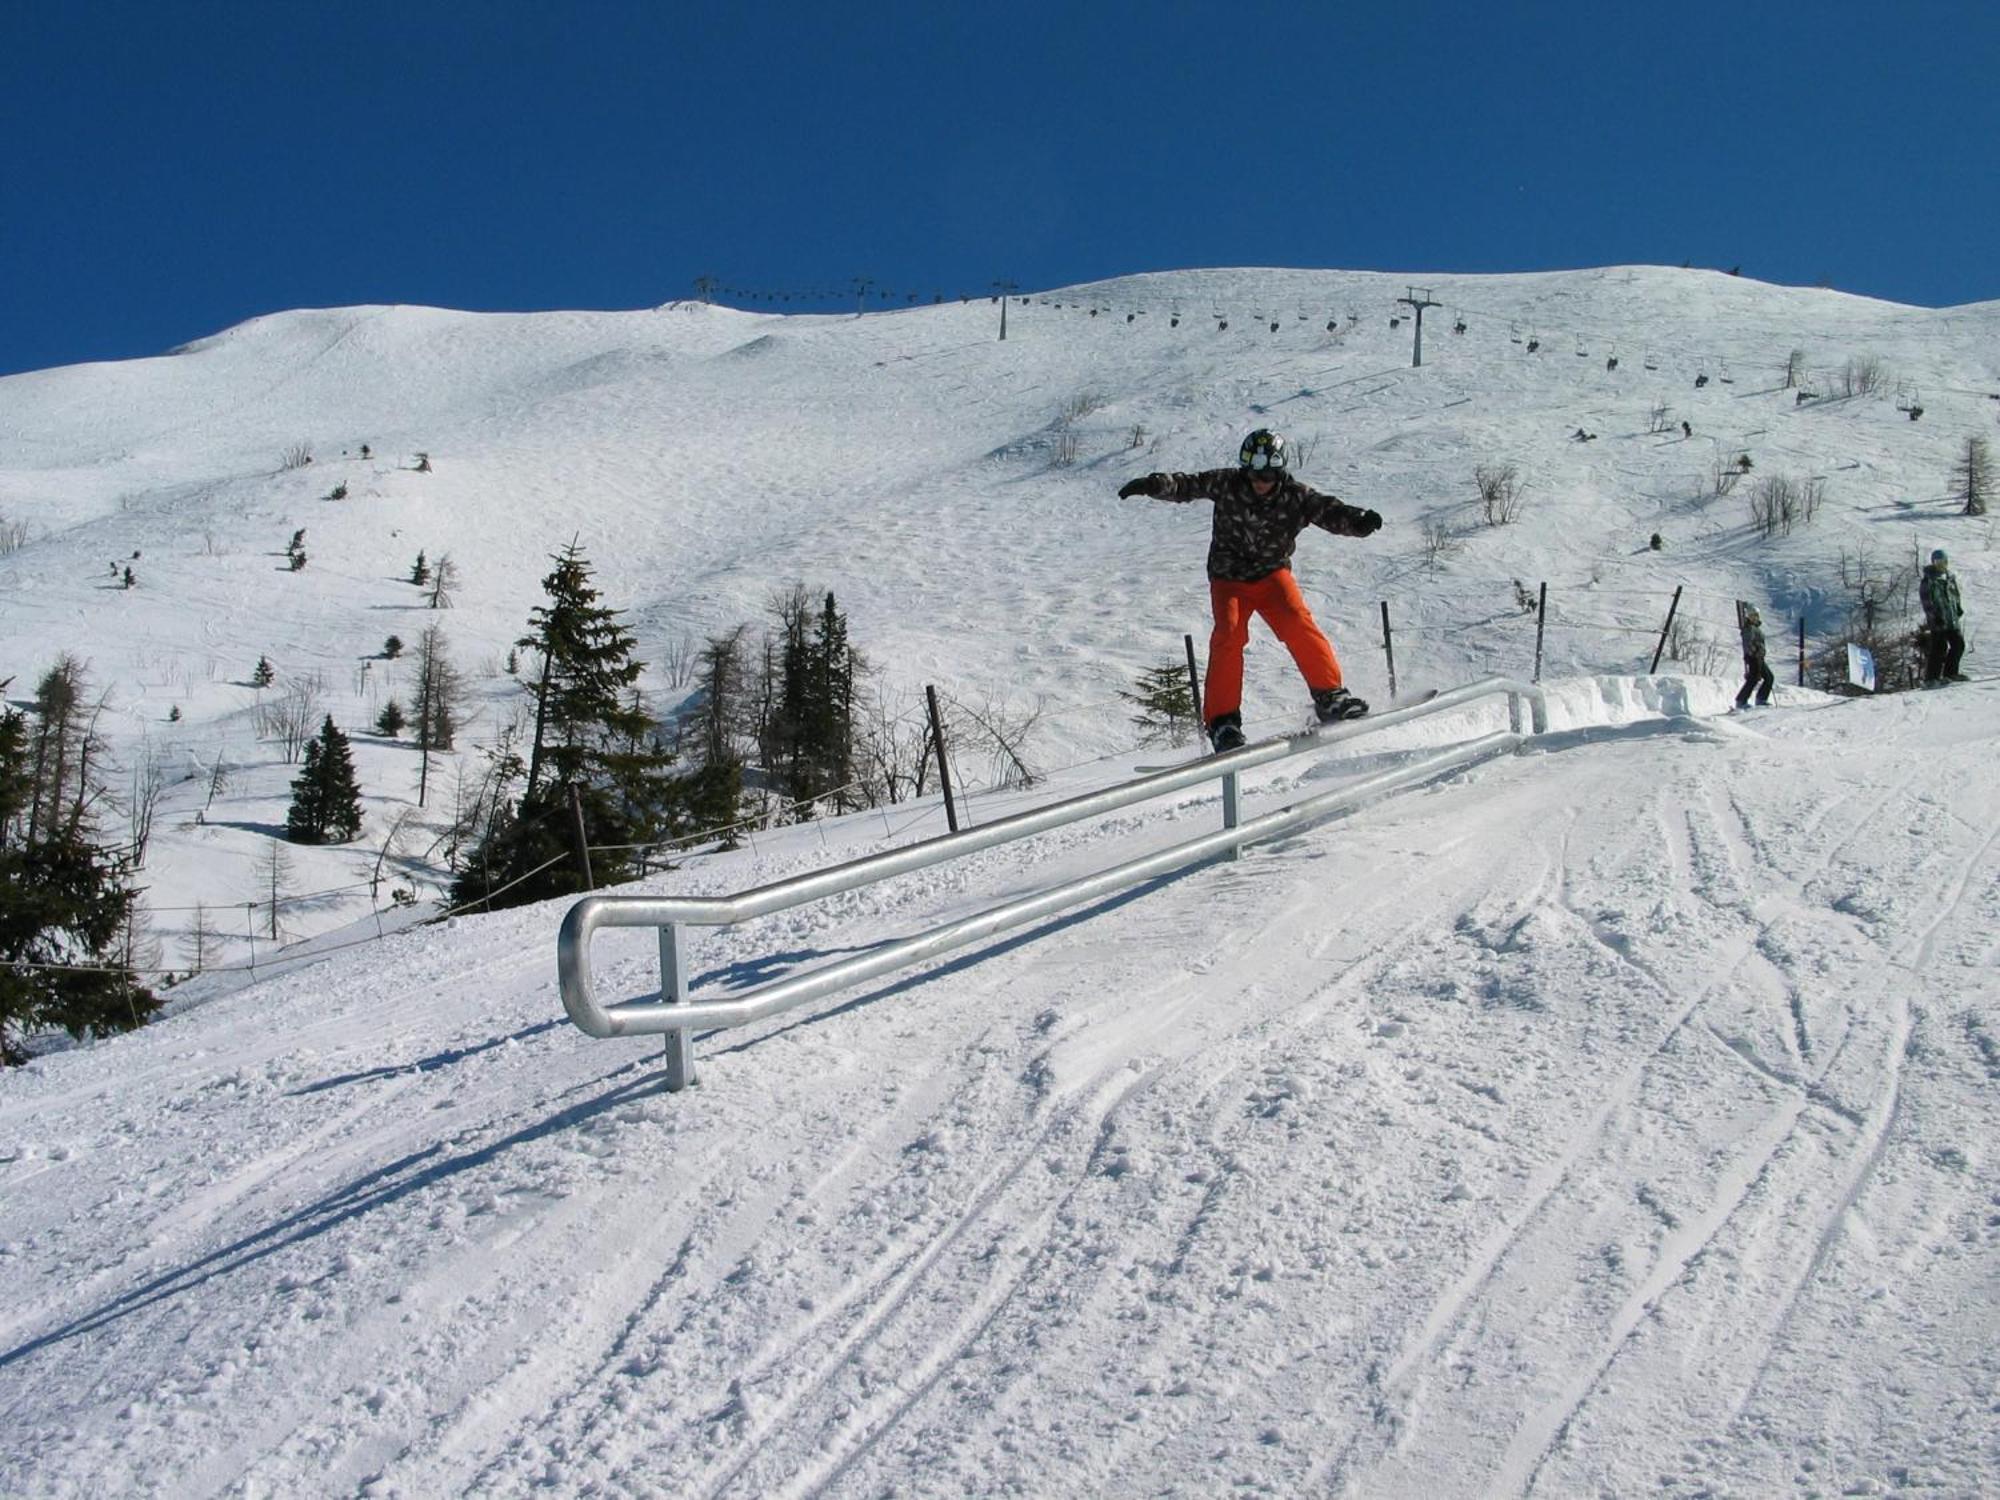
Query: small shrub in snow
x=1499, y=492
x=1863, y=375
x=1437, y=541
x=295, y=457
x=1779, y=503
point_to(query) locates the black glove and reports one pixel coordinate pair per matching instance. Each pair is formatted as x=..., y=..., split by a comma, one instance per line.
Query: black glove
x=1145, y=484
x=1368, y=523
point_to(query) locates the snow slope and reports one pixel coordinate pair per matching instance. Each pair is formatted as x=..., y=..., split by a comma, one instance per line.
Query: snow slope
x=1614, y=1116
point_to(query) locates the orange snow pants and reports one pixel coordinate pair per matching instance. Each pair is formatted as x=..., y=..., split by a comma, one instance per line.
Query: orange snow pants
x=1277, y=598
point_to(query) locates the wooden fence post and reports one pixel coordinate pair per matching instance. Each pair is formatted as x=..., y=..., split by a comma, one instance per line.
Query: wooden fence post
x=1666, y=629
x=1389, y=647
x=1541, y=626
x=582, y=845
x=944, y=767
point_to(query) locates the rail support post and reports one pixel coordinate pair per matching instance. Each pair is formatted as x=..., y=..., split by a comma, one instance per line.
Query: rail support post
x=674, y=991
x=1232, y=808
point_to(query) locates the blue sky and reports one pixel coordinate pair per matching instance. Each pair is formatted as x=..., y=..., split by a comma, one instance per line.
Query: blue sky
x=169, y=169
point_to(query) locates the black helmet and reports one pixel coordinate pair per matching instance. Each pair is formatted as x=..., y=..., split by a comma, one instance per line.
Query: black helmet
x=1263, y=449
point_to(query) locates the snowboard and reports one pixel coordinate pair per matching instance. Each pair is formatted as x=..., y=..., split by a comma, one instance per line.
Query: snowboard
x=1312, y=729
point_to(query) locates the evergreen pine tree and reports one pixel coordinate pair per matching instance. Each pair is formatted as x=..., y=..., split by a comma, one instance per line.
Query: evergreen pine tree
x=326, y=801
x=64, y=902
x=812, y=734
x=832, y=697
x=1166, y=704
x=591, y=733
x=305, y=820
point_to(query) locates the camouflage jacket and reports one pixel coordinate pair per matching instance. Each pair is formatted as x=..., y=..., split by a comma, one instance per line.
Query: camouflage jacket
x=1937, y=591
x=1254, y=536
x=1753, y=644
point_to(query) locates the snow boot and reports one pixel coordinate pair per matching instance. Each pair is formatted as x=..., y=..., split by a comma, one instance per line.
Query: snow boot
x=1330, y=705
x=1226, y=732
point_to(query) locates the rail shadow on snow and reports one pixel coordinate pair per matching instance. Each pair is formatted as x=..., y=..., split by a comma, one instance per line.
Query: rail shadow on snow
x=445, y=1059
x=373, y=1191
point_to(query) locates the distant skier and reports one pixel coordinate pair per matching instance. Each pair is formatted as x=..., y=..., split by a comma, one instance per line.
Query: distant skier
x=1260, y=510
x=1944, y=620
x=1757, y=676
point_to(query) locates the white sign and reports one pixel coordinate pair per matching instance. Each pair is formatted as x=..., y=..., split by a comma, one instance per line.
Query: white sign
x=1861, y=667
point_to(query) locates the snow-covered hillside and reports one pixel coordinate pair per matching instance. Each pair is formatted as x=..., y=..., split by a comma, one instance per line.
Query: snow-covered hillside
x=706, y=459
x=1615, y=1116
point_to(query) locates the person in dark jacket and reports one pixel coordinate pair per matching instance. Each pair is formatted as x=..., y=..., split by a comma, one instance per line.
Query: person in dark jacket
x=1260, y=509
x=1757, y=675
x=1944, y=621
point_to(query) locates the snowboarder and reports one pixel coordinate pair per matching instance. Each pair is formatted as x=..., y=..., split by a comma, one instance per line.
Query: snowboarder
x=1260, y=509
x=1944, y=620
x=1757, y=675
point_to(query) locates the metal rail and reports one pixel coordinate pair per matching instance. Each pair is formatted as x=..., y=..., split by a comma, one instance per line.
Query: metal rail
x=676, y=1015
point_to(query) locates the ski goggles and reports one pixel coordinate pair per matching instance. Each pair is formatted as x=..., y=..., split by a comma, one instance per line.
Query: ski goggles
x=1262, y=459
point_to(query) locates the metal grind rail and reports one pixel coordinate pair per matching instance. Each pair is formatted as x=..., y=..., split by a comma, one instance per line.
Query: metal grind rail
x=677, y=1015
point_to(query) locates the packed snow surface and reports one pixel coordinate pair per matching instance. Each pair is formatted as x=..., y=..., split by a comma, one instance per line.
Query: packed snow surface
x=1614, y=1116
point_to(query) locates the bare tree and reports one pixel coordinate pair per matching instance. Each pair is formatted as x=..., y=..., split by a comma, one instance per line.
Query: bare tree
x=1972, y=477
x=199, y=942
x=218, y=783
x=439, y=692
x=478, y=804
x=719, y=716
x=444, y=579
x=149, y=784
x=678, y=661
x=293, y=717
x=392, y=843
x=13, y=535
x=138, y=950
x=63, y=782
x=1695, y=646
x=277, y=877
x=1000, y=733
x=893, y=751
